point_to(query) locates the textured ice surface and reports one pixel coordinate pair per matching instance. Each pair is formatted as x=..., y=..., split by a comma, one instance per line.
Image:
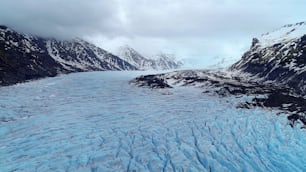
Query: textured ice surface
x=98, y=122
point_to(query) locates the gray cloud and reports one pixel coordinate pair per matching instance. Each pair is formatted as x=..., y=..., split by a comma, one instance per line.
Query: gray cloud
x=189, y=28
x=58, y=18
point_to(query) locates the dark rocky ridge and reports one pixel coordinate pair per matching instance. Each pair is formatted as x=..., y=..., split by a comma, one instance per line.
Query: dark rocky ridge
x=282, y=61
x=24, y=57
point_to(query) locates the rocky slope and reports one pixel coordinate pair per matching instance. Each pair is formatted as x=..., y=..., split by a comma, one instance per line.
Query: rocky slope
x=278, y=57
x=24, y=57
x=160, y=62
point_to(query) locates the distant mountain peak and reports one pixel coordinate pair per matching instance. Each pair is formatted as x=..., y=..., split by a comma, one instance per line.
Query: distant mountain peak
x=161, y=61
x=124, y=50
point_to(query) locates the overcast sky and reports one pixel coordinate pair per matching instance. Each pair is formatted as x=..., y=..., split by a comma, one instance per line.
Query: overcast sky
x=199, y=30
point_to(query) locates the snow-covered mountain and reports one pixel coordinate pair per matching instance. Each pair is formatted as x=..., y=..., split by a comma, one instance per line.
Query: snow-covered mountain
x=167, y=61
x=159, y=62
x=81, y=55
x=24, y=57
x=133, y=57
x=278, y=57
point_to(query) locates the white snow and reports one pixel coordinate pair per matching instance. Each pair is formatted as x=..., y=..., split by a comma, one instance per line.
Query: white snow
x=55, y=55
x=284, y=34
x=79, y=62
x=160, y=61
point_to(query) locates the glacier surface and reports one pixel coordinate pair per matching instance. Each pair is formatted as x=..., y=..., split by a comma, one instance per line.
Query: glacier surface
x=96, y=121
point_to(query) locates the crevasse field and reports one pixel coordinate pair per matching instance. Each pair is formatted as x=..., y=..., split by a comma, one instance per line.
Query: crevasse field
x=98, y=122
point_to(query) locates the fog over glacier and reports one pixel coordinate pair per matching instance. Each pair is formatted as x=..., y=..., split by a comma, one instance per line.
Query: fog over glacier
x=211, y=29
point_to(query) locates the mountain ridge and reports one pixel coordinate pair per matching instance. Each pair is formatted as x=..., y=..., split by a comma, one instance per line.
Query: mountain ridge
x=161, y=61
x=281, y=60
x=24, y=57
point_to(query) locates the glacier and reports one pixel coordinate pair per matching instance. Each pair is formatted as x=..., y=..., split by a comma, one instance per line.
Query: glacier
x=97, y=121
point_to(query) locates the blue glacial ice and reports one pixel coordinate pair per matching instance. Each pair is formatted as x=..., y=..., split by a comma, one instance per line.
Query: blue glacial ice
x=98, y=122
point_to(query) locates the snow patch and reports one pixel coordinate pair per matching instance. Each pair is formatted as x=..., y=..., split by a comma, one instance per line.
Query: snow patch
x=284, y=34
